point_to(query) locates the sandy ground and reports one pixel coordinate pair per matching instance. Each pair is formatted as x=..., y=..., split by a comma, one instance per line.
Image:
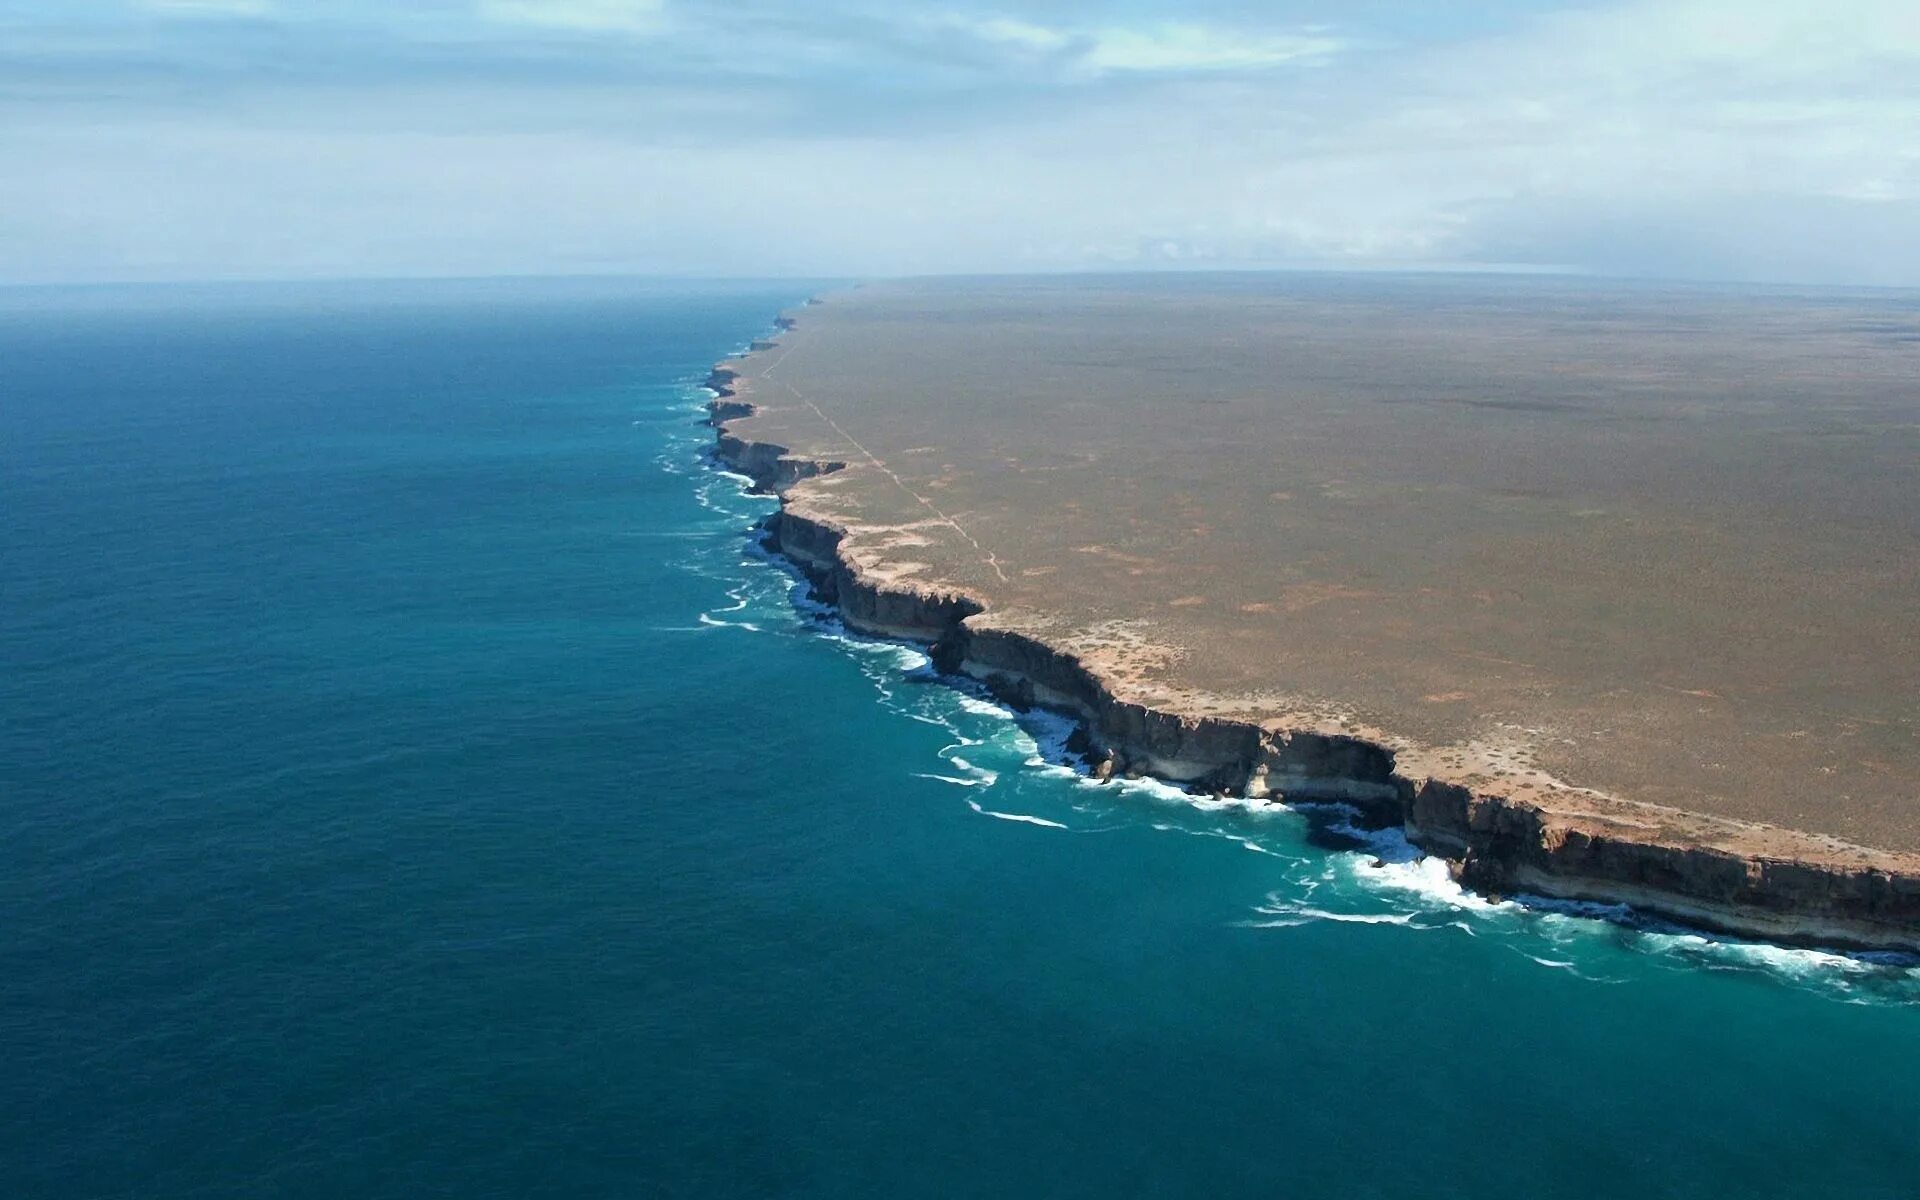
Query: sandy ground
x=1661, y=544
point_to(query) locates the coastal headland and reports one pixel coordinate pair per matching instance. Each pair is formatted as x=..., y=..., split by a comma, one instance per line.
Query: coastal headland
x=1600, y=592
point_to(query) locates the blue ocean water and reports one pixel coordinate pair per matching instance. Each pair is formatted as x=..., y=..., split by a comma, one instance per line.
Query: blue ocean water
x=413, y=782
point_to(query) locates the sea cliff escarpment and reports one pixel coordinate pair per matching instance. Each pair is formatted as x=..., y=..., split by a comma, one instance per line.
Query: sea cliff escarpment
x=1706, y=872
x=770, y=466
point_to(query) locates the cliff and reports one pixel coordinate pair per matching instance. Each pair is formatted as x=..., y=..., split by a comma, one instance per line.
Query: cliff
x=1709, y=872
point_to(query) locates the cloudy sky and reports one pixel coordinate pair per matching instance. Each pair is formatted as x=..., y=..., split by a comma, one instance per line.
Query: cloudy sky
x=1736, y=139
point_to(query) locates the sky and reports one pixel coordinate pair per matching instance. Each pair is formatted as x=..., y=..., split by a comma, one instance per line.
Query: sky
x=216, y=139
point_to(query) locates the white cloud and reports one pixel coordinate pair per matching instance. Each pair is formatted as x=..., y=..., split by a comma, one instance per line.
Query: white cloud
x=209, y=8
x=1730, y=138
x=580, y=16
x=1171, y=47
x=1011, y=32
x=1200, y=48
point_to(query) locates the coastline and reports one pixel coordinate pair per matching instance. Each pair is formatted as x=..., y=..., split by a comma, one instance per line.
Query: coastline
x=1547, y=839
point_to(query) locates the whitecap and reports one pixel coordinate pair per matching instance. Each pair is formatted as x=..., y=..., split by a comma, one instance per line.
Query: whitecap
x=1022, y=818
x=1425, y=876
x=711, y=621
x=1322, y=914
x=1153, y=789
x=983, y=775
x=1291, y=917
x=1250, y=805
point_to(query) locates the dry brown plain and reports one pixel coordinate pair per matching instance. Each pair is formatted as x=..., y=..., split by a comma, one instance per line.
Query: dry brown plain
x=1566, y=540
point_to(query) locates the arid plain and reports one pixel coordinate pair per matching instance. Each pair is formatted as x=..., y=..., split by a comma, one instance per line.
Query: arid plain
x=1594, y=544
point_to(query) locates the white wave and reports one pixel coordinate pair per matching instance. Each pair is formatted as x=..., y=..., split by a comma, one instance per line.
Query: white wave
x=1152, y=789
x=1430, y=878
x=1023, y=818
x=1062, y=771
x=1570, y=924
x=1250, y=805
x=1358, y=918
x=908, y=659
x=714, y=622
x=1391, y=861
x=952, y=780
x=739, y=602
x=1790, y=961
x=986, y=776
x=1225, y=835
x=705, y=498
x=1303, y=915
x=899, y=657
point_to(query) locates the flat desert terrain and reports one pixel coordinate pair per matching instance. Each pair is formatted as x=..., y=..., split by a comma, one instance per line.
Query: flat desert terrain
x=1651, y=543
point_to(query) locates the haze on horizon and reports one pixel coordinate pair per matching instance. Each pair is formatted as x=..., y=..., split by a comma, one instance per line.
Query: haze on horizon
x=206, y=139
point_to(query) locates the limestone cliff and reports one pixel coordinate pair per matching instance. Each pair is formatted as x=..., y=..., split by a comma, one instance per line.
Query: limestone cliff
x=1820, y=891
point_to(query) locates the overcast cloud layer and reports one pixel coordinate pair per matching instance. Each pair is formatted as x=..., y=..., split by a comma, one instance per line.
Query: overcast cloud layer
x=1739, y=139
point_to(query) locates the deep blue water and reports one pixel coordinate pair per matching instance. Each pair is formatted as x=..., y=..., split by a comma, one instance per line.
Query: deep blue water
x=412, y=783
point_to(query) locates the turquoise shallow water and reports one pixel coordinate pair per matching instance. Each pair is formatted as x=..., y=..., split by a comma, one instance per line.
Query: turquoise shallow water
x=412, y=782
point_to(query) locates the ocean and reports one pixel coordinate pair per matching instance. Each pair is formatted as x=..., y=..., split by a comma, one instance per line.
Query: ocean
x=414, y=781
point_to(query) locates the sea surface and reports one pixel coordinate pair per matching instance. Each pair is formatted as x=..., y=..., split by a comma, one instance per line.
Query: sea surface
x=415, y=782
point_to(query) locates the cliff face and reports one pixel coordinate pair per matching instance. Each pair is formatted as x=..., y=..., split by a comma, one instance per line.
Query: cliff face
x=1208, y=753
x=770, y=466
x=1507, y=847
x=895, y=612
x=1496, y=844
